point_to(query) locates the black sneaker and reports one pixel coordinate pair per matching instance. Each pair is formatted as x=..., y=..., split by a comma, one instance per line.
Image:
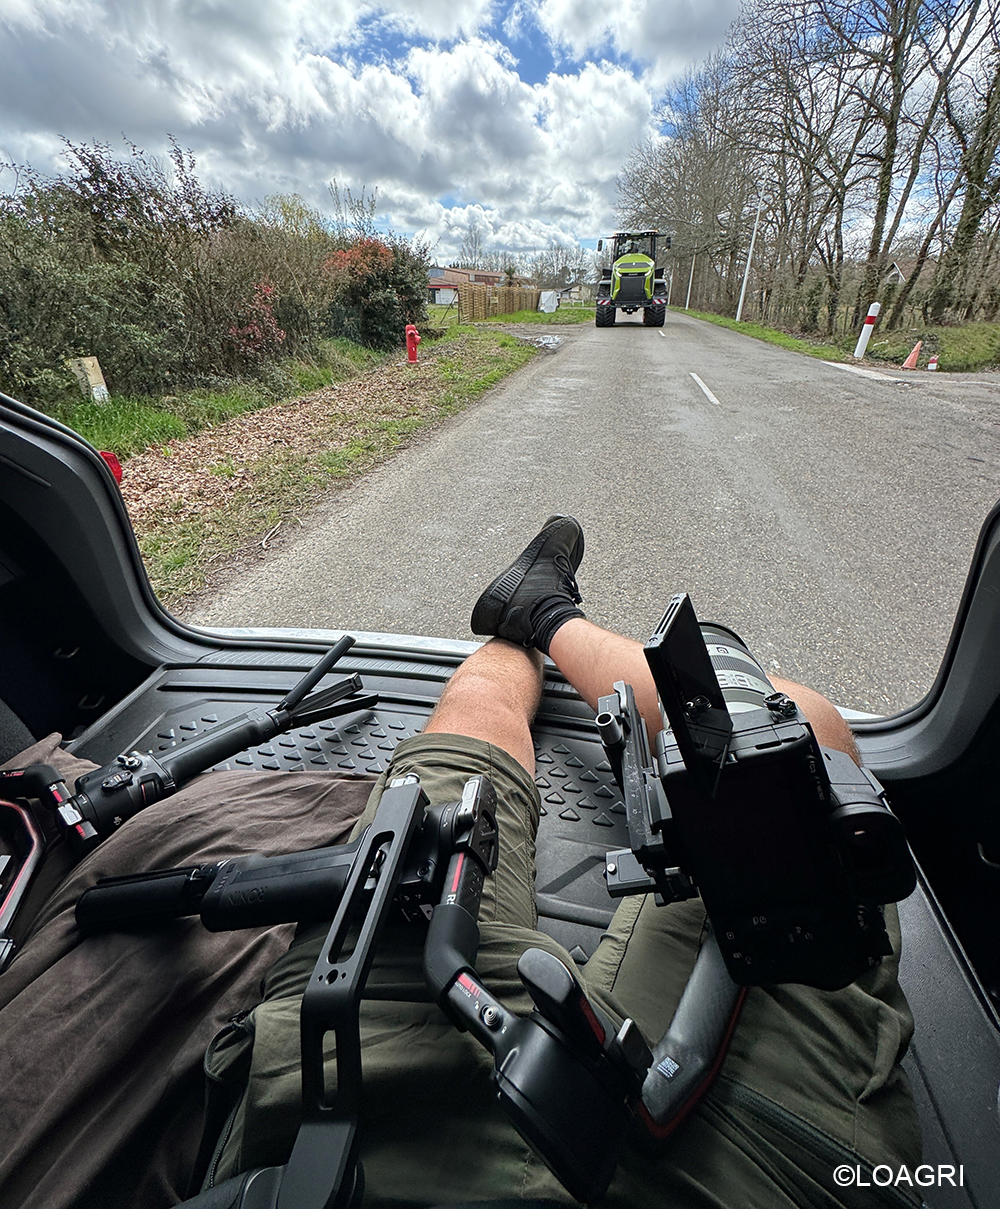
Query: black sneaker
x=546, y=568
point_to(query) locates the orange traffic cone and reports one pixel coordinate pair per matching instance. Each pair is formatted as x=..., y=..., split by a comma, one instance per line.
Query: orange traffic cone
x=932, y=364
x=911, y=360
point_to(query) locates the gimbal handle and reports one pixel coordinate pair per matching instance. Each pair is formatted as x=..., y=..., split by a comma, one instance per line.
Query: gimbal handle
x=106, y=797
x=569, y=1080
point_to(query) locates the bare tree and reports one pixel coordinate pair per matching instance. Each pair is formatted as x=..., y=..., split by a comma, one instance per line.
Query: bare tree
x=976, y=128
x=914, y=51
x=859, y=128
x=473, y=251
x=560, y=265
x=811, y=133
x=696, y=183
x=353, y=214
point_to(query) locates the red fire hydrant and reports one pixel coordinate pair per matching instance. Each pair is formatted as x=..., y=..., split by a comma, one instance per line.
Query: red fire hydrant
x=412, y=340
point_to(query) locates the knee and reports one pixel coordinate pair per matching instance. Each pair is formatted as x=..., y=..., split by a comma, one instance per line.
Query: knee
x=825, y=719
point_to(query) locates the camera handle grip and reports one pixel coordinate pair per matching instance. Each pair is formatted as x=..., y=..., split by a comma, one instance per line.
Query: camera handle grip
x=143, y=900
x=688, y=1055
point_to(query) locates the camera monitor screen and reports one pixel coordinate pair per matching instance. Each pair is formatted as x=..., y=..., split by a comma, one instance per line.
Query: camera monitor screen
x=689, y=692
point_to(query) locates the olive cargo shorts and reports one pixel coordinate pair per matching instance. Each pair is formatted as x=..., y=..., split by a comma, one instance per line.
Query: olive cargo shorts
x=811, y=1079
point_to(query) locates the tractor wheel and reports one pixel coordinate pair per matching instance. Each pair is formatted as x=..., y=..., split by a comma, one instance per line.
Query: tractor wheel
x=605, y=316
x=654, y=316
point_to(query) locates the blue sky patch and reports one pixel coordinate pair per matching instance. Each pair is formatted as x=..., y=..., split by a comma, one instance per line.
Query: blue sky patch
x=528, y=45
x=536, y=57
x=376, y=41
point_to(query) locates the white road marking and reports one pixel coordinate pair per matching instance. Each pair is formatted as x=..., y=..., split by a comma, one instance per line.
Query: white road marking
x=661, y=334
x=708, y=394
x=865, y=373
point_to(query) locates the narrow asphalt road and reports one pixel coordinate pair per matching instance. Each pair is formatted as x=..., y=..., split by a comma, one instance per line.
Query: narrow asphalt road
x=828, y=516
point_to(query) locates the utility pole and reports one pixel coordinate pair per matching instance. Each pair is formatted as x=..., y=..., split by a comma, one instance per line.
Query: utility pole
x=746, y=271
x=694, y=257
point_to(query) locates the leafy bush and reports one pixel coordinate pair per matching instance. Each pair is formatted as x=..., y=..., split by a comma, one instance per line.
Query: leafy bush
x=259, y=339
x=171, y=285
x=379, y=288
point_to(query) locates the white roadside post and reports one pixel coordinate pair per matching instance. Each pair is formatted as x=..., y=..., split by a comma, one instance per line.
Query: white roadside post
x=88, y=373
x=866, y=330
x=746, y=271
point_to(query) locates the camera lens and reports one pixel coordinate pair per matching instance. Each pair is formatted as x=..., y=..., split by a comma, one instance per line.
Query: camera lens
x=743, y=681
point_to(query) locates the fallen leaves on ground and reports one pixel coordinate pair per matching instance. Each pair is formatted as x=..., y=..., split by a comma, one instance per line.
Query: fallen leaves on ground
x=196, y=502
x=190, y=476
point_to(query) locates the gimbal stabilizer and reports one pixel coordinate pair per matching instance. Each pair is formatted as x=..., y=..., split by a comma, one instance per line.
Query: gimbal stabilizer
x=105, y=798
x=567, y=1076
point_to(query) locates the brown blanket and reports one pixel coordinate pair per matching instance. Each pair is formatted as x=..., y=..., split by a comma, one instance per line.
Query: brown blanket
x=102, y=1039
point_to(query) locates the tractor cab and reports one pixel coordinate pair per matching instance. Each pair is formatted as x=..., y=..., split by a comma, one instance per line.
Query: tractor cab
x=633, y=245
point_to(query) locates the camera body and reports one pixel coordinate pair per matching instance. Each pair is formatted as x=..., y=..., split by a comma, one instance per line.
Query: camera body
x=791, y=846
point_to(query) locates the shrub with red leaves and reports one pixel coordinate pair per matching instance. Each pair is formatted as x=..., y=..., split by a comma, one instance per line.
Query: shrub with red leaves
x=259, y=339
x=354, y=267
x=379, y=288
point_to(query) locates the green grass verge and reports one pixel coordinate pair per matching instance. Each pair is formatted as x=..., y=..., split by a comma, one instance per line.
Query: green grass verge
x=126, y=425
x=798, y=344
x=123, y=425
x=564, y=314
x=965, y=347
x=180, y=551
x=443, y=316
x=468, y=378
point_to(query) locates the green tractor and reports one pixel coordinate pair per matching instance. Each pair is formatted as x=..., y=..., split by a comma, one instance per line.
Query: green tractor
x=633, y=282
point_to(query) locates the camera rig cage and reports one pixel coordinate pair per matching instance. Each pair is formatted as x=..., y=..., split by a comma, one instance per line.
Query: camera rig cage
x=791, y=846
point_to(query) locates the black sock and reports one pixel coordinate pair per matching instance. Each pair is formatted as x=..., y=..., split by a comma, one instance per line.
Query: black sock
x=547, y=615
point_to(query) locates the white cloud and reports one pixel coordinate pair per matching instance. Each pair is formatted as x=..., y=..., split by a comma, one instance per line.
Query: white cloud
x=442, y=20
x=444, y=228
x=666, y=35
x=417, y=99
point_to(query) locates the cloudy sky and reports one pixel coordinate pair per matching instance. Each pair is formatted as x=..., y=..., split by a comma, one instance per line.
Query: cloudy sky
x=513, y=113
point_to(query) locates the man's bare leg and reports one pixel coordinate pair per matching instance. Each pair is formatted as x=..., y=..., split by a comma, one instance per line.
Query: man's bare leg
x=592, y=659
x=493, y=696
x=534, y=602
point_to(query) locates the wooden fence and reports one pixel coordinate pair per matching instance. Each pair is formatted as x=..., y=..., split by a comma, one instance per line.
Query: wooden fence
x=478, y=301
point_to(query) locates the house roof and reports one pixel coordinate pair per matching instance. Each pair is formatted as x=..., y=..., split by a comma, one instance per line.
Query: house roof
x=439, y=277
x=455, y=276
